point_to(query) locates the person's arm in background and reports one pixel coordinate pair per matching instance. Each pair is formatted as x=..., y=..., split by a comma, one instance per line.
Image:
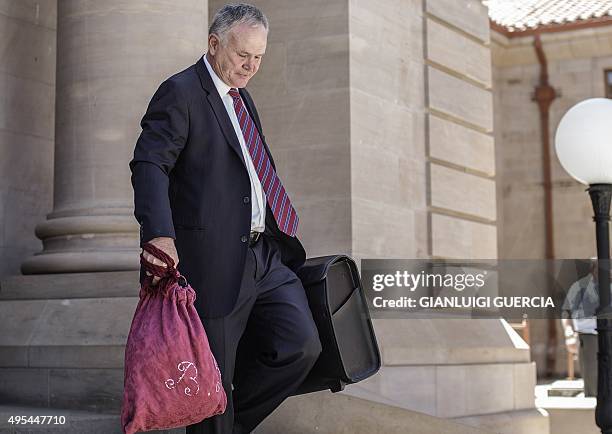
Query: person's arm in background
x=165, y=127
x=569, y=305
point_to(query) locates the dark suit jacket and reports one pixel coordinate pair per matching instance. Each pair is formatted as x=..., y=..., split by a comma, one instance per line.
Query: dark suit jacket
x=191, y=183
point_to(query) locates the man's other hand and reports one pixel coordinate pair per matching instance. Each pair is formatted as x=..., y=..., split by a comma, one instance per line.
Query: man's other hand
x=166, y=245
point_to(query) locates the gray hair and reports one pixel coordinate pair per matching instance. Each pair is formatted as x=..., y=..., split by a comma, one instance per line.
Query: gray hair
x=230, y=15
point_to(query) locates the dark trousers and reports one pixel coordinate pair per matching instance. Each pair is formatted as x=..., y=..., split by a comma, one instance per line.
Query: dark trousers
x=588, y=362
x=265, y=347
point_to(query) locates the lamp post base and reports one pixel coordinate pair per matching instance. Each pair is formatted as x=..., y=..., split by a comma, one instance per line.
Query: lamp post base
x=603, y=412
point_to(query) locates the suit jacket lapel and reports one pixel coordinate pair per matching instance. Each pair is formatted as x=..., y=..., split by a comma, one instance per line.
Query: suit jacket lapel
x=219, y=109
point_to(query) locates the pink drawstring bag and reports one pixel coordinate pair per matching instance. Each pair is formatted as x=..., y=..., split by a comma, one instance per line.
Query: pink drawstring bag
x=171, y=378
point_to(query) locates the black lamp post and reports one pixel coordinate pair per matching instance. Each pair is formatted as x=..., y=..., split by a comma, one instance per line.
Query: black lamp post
x=600, y=196
x=584, y=147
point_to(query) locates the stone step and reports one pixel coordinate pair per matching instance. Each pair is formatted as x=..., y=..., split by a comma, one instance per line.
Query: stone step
x=532, y=421
x=65, y=421
x=70, y=285
x=452, y=391
x=97, y=390
x=320, y=413
x=66, y=333
x=568, y=414
x=327, y=413
x=572, y=420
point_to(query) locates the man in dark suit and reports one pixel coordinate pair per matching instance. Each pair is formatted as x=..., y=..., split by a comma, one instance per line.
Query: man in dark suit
x=206, y=192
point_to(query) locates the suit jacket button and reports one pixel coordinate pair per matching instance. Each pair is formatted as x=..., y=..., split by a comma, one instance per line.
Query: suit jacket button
x=244, y=238
x=246, y=199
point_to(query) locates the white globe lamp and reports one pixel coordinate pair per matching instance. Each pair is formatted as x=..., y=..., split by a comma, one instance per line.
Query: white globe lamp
x=584, y=141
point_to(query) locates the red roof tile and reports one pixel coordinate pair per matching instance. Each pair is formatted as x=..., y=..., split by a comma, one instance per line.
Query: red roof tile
x=520, y=15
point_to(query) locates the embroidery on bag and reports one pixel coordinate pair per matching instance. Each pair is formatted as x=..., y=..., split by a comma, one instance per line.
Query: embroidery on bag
x=183, y=367
x=218, y=385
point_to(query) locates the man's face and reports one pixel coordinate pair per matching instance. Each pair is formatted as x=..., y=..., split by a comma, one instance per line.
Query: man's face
x=238, y=59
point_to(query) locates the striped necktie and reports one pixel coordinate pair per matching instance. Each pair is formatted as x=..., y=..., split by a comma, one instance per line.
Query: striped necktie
x=280, y=204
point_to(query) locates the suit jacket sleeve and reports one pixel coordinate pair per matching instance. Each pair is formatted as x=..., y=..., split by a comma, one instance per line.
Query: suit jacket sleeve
x=165, y=127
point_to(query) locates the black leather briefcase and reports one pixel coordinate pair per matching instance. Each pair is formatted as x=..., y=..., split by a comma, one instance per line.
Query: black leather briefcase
x=350, y=351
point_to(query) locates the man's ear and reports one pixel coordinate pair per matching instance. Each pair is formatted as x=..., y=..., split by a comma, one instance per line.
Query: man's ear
x=213, y=43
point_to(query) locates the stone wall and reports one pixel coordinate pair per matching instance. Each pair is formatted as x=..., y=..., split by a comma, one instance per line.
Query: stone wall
x=444, y=367
x=576, y=61
x=461, y=148
x=387, y=130
x=27, y=116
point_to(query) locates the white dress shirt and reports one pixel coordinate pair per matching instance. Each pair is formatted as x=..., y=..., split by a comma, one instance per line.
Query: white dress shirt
x=258, y=197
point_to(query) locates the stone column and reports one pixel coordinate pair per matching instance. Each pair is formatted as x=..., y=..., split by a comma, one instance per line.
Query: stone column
x=111, y=56
x=27, y=110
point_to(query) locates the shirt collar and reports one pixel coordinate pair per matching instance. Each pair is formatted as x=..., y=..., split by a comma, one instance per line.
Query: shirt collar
x=222, y=88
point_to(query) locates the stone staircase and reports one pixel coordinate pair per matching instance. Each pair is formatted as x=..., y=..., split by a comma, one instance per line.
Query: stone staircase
x=62, y=352
x=63, y=339
x=321, y=413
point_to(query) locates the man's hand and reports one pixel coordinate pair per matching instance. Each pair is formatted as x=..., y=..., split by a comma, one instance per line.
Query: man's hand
x=166, y=245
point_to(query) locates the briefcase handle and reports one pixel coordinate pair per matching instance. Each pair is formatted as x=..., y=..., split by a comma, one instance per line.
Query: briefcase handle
x=315, y=269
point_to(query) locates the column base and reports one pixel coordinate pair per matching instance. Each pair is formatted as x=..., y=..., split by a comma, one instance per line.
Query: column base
x=82, y=262
x=80, y=244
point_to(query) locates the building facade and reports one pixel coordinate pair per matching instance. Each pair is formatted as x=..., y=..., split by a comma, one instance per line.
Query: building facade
x=402, y=129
